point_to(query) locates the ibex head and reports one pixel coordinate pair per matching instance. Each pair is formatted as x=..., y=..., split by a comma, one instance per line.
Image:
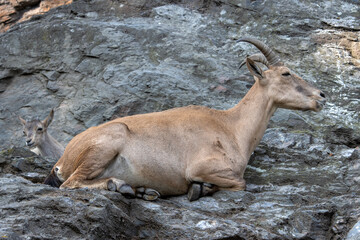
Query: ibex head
x=34, y=130
x=283, y=86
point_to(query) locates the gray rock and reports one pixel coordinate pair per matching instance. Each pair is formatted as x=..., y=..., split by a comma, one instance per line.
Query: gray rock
x=37, y=211
x=97, y=60
x=21, y=161
x=140, y=64
x=354, y=233
x=342, y=135
x=289, y=196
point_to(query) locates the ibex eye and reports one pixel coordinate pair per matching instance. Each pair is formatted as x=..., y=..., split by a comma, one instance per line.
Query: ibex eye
x=39, y=129
x=286, y=74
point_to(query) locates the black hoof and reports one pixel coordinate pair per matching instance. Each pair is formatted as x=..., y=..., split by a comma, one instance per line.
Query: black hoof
x=194, y=192
x=127, y=191
x=207, y=189
x=150, y=195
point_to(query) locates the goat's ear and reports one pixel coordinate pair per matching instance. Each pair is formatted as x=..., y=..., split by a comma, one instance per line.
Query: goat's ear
x=254, y=69
x=48, y=119
x=23, y=122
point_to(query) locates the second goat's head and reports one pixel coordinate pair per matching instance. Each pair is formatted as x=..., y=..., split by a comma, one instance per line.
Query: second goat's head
x=35, y=130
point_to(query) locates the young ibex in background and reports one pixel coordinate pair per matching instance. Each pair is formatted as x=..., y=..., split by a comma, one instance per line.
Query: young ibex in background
x=194, y=150
x=38, y=138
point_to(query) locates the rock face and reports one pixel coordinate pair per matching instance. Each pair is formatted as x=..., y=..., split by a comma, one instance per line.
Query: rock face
x=289, y=196
x=13, y=11
x=97, y=60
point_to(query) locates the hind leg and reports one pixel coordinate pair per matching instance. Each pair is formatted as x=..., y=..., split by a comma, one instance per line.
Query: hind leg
x=91, y=170
x=114, y=184
x=111, y=184
x=89, y=154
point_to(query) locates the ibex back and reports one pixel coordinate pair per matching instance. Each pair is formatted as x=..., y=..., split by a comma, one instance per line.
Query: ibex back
x=194, y=150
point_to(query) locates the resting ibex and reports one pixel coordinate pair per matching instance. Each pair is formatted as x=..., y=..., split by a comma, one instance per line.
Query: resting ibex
x=194, y=150
x=38, y=138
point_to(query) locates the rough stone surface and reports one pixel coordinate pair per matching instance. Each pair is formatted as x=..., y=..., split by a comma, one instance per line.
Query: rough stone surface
x=354, y=233
x=283, y=201
x=13, y=11
x=101, y=59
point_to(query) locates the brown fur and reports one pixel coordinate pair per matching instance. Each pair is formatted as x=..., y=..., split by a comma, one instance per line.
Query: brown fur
x=169, y=150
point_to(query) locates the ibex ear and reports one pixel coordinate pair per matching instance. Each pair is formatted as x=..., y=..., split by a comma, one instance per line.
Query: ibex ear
x=254, y=69
x=48, y=119
x=23, y=122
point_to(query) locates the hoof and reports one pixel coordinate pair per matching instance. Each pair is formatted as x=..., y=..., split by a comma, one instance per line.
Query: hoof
x=194, y=192
x=208, y=189
x=140, y=192
x=111, y=186
x=127, y=191
x=150, y=195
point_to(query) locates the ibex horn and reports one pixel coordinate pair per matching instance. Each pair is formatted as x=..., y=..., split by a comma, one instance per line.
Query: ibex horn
x=272, y=58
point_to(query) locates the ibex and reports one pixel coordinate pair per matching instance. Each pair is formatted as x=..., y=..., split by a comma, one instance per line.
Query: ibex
x=194, y=150
x=38, y=138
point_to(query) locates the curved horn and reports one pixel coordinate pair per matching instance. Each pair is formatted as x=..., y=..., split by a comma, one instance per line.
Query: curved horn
x=258, y=57
x=268, y=53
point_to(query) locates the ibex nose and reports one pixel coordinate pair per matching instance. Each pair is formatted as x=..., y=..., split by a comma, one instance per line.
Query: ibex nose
x=322, y=94
x=321, y=100
x=28, y=142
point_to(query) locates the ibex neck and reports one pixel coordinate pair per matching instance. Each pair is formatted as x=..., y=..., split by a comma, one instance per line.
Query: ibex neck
x=49, y=147
x=250, y=118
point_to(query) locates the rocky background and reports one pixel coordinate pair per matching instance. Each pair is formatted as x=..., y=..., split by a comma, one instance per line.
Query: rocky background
x=95, y=60
x=14, y=11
